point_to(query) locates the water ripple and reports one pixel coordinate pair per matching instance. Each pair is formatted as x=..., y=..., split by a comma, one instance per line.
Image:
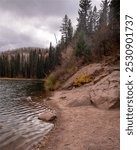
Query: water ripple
x=19, y=126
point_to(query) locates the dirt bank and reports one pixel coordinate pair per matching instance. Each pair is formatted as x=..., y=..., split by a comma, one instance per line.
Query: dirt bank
x=81, y=124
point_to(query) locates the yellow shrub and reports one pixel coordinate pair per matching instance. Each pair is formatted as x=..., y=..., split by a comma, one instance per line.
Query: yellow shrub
x=82, y=80
x=52, y=83
x=49, y=82
x=57, y=85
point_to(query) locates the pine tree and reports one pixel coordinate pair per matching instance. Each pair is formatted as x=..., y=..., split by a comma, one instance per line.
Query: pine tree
x=85, y=7
x=114, y=13
x=40, y=66
x=82, y=49
x=95, y=18
x=114, y=21
x=66, y=30
x=51, y=57
x=103, y=21
x=18, y=64
x=90, y=23
x=70, y=31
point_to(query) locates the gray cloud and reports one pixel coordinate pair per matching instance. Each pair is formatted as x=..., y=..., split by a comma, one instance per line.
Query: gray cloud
x=33, y=22
x=26, y=8
x=12, y=39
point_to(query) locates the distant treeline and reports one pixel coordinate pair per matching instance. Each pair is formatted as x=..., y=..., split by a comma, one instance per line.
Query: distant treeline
x=27, y=62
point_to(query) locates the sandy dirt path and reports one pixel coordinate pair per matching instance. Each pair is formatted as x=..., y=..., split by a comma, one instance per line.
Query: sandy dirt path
x=82, y=127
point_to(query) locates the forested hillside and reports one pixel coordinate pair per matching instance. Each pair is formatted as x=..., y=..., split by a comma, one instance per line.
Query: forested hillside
x=27, y=62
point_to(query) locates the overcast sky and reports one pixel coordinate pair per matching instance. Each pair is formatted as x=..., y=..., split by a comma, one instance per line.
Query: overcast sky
x=33, y=23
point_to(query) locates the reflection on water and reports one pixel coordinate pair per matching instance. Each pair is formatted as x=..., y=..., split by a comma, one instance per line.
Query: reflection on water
x=19, y=126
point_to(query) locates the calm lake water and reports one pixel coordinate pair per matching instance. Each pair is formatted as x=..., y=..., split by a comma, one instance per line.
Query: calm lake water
x=20, y=128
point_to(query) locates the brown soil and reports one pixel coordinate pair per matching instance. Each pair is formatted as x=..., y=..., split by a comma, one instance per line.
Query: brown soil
x=81, y=126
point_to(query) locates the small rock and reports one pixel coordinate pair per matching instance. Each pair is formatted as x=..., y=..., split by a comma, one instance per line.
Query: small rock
x=29, y=98
x=47, y=116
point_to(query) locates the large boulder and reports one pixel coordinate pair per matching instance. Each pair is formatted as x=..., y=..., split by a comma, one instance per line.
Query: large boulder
x=47, y=116
x=83, y=100
x=105, y=93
